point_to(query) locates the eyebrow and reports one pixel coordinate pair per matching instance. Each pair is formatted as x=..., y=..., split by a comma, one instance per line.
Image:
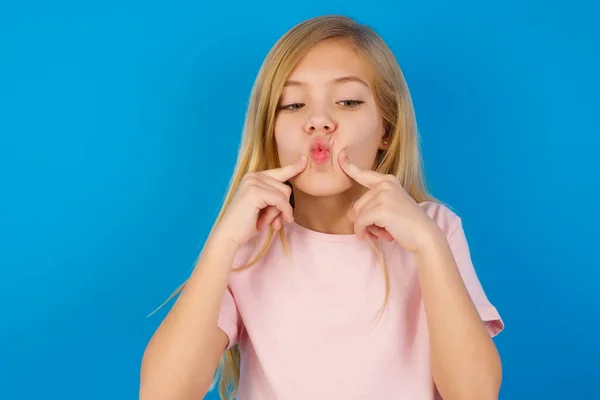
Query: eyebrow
x=343, y=79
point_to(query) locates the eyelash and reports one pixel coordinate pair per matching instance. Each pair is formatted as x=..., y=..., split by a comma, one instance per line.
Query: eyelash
x=355, y=103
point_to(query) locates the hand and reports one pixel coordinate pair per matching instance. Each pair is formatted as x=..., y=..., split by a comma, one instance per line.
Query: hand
x=386, y=210
x=262, y=199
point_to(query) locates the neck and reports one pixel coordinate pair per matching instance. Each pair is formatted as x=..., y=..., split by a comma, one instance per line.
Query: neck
x=326, y=214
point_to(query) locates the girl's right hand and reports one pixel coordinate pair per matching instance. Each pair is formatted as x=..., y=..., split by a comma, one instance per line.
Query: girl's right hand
x=262, y=199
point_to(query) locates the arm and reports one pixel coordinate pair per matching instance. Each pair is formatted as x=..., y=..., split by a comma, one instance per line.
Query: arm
x=465, y=363
x=180, y=359
x=464, y=359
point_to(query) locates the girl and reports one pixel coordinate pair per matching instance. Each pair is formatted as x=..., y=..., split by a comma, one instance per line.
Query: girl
x=369, y=291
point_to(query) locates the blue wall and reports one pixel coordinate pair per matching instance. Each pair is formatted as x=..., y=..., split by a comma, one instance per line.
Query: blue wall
x=119, y=125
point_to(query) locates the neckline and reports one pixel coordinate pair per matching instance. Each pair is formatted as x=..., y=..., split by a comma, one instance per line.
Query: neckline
x=332, y=237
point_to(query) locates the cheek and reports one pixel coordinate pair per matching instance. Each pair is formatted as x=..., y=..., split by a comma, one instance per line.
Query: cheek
x=363, y=143
x=362, y=154
x=285, y=150
x=287, y=144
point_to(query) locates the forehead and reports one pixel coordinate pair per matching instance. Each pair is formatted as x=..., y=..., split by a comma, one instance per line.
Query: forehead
x=328, y=60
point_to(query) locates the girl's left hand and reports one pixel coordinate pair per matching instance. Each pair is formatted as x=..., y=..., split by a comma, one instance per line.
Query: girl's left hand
x=386, y=210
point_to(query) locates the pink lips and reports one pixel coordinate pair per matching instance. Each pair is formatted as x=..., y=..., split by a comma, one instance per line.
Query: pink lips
x=319, y=151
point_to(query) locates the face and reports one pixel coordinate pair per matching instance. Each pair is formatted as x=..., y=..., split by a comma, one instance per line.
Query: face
x=327, y=105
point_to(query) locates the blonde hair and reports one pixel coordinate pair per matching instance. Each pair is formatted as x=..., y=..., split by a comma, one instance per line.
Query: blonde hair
x=258, y=149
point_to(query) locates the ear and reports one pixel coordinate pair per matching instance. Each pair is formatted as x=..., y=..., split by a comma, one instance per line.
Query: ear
x=384, y=144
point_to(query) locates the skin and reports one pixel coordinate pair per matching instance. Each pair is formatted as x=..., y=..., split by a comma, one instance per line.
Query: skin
x=345, y=196
x=181, y=357
x=341, y=196
x=317, y=102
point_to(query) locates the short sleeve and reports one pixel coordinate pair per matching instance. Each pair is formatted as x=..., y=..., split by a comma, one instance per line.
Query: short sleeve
x=460, y=248
x=229, y=320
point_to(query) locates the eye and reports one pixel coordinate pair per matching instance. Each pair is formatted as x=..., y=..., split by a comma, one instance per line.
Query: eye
x=291, y=107
x=350, y=103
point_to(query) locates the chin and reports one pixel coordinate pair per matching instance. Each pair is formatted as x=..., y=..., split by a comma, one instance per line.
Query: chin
x=321, y=184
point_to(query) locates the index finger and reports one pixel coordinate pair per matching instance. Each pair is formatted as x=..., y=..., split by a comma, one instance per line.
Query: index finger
x=287, y=172
x=366, y=178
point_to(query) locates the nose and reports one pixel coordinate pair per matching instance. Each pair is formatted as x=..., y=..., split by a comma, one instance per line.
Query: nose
x=320, y=122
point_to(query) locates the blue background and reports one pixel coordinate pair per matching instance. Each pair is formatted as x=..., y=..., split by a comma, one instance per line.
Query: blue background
x=119, y=126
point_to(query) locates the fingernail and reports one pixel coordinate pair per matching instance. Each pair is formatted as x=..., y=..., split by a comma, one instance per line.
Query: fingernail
x=344, y=155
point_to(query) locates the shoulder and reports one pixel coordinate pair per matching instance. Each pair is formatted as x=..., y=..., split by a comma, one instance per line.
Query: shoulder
x=446, y=218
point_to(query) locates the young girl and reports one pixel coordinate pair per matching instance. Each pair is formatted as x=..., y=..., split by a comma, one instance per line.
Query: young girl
x=330, y=272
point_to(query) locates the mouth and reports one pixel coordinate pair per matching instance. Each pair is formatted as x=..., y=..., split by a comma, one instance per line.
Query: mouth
x=319, y=151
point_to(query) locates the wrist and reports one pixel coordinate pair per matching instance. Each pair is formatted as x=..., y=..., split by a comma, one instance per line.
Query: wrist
x=222, y=243
x=431, y=239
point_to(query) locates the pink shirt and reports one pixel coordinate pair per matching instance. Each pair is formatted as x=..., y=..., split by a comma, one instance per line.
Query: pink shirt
x=308, y=326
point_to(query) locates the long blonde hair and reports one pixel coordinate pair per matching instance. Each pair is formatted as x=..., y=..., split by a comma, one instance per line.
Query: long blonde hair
x=258, y=149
